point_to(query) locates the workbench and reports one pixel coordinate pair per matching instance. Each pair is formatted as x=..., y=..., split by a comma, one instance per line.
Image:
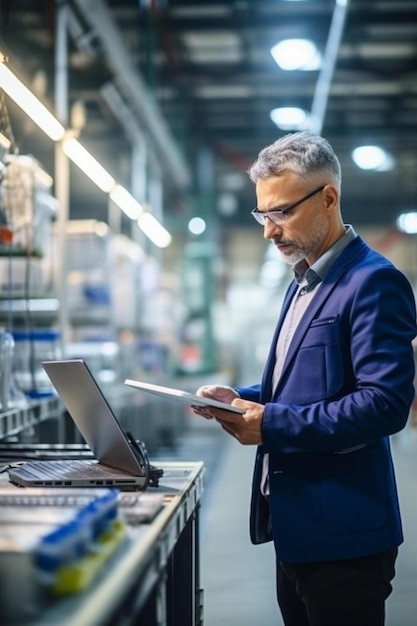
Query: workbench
x=153, y=578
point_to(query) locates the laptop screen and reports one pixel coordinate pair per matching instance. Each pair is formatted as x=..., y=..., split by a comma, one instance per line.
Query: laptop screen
x=92, y=414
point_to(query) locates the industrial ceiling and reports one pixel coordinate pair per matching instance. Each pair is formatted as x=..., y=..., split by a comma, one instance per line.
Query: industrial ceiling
x=197, y=79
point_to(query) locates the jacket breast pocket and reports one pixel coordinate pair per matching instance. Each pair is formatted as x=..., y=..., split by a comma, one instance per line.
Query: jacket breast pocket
x=318, y=368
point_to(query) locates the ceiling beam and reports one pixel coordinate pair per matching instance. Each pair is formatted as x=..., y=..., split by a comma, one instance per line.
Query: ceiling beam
x=97, y=16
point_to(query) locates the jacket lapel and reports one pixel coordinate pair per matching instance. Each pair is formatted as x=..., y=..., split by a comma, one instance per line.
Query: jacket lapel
x=320, y=297
x=326, y=288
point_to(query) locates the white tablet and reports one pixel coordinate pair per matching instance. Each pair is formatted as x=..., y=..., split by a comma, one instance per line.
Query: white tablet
x=183, y=396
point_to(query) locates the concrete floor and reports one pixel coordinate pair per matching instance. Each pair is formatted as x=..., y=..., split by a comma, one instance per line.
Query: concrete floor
x=238, y=578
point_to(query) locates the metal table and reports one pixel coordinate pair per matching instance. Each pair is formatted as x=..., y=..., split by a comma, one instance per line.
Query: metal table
x=153, y=579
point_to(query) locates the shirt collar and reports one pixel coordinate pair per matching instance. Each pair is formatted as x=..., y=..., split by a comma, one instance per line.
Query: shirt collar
x=308, y=277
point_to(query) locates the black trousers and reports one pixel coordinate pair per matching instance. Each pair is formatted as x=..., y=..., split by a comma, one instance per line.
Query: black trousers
x=336, y=593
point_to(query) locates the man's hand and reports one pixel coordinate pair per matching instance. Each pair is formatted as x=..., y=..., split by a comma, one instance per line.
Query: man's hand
x=217, y=392
x=246, y=428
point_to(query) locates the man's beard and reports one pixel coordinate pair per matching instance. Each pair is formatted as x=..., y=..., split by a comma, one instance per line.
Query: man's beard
x=302, y=251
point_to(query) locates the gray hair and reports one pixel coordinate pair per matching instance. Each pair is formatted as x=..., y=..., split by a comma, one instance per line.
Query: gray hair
x=303, y=153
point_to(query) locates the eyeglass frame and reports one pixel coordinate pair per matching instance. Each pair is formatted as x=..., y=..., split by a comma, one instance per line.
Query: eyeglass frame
x=260, y=216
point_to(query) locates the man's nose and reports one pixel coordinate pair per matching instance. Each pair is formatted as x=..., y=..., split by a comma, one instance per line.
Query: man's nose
x=271, y=230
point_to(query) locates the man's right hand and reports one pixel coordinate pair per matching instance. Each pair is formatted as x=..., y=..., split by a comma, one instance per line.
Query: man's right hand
x=217, y=392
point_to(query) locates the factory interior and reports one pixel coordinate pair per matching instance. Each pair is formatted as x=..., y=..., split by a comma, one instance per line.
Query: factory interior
x=127, y=244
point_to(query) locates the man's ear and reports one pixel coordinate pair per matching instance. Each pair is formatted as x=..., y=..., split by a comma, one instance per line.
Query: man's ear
x=331, y=196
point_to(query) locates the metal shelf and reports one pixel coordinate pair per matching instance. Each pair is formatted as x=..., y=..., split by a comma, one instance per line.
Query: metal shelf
x=43, y=310
x=15, y=420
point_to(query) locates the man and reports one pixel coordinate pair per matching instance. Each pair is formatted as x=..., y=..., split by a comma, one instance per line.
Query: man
x=338, y=382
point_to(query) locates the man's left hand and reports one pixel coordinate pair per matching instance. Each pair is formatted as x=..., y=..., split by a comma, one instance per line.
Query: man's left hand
x=246, y=428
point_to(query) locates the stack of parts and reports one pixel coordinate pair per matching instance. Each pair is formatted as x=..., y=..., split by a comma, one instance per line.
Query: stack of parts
x=53, y=543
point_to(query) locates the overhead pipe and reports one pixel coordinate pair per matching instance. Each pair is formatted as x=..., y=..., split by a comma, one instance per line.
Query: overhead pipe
x=140, y=149
x=122, y=112
x=97, y=15
x=62, y=171
x=324, y=81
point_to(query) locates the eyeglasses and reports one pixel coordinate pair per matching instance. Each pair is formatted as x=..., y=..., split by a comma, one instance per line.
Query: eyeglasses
x=278, y=216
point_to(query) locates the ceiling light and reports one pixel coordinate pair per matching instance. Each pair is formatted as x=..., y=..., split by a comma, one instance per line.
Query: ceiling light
x=296, y=54
x=88, y=164
x=154, y=230
x=126, y=202
x=196, y=226
x=407, y=223
x=30, y=104
x=372, y=158
x=79, y=155
x=289, y=118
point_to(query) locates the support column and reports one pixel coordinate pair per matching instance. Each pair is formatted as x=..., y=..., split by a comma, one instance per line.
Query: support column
x=62, y=172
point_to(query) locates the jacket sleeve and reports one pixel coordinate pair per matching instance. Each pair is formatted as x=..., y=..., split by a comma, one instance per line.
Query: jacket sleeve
x=253, y=394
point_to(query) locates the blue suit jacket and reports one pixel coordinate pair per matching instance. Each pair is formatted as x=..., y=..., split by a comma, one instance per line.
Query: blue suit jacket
x=347, y=384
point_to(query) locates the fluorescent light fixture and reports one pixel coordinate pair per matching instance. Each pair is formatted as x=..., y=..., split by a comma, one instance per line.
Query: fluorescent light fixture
x=88, y=164
x=154, y=230
x=30, y=104
x=196, y=226
x=289, y=118
x=79, y=155
x=407, y=222
x=372, y=158
x=126, y=202
x=296, y=54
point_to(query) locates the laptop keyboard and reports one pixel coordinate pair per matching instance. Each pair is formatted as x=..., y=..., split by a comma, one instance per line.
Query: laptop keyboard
x=83, y=469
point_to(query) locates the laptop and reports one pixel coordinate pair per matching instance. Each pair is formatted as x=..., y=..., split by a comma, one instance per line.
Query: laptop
x=119, y=462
